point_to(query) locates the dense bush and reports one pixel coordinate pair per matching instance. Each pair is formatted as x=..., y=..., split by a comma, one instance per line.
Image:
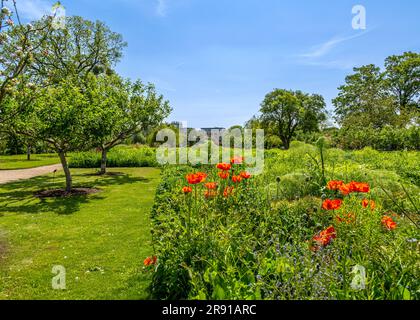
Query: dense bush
x=386, y=139
x=122, y=156
x=255, y=243
x=12, y=144
x=308, y=137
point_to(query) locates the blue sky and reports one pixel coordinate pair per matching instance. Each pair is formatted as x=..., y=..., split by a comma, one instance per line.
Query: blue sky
x=215, y=60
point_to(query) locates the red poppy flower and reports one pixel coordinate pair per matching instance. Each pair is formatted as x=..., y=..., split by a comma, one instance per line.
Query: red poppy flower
x=237, y=160
x=364, y=187
x=388, y=223
x=210, y=194
x=228, y=192
x=236, y=179
x=147, y=262
x=224, y=166
x=196, y=178
x=330, y=232
x=349, y=218
x=366, y=203
x=354, y=186
x=324, y=237
x=211, y=185
x=345, y=189
x=245, y=175
x=332, y=204
x=223, y=175
x=334, y=184
x=186, y=190
x=359, y=187
x=150, y=261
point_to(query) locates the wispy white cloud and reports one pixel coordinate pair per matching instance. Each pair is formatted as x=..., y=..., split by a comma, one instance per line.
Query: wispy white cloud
x=323, y=49
x=34, y=9
x=321, y=55
x=162, y=8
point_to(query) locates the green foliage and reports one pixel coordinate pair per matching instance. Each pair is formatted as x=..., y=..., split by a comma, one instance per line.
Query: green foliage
x=403, y=79
x=287, y=111
x=17, y=53
x=78, y=49
x=256, y=243
x=386, y=139
x=64, y=102
x=118, y=157
x=122, y=108
x=374, y=99
x=59, y=116
x=308, y=137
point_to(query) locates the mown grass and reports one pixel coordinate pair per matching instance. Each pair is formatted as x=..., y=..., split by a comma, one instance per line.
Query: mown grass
x=100, y=239
x=20, y=162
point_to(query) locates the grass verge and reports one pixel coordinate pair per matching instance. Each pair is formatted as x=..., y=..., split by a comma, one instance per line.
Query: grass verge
x=20, y=162
x=100, y=239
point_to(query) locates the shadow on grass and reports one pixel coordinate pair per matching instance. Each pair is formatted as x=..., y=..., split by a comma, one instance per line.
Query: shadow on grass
x=18, y=197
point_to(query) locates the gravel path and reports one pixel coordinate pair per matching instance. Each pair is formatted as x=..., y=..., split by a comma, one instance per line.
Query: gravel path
x=14, y=175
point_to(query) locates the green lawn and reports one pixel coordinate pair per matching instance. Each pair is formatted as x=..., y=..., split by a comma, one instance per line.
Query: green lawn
x=20, y=162
x=100, y=239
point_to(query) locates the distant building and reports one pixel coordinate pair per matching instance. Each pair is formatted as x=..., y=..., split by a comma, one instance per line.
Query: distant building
x=217, y=141
x=208, y=130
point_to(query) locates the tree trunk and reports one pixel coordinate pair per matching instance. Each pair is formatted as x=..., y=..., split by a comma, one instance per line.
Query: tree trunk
x=286, y=142
x=28, y=153
x=66, y=171
x=103, y=161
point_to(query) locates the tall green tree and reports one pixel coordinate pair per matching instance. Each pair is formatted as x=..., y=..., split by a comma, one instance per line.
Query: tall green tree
x=123, y=108
x=59, y=73
x=313, y=113
x=374, y=98
x=81, y=48
x=364, y=100
x=59, y=116
x=287, y=111
x=402, y=78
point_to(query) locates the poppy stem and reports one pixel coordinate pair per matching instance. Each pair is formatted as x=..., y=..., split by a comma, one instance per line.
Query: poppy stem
x=189, y=219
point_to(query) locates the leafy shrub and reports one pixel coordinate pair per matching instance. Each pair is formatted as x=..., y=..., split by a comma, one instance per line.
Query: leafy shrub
x=386, y=139
x=121, y=156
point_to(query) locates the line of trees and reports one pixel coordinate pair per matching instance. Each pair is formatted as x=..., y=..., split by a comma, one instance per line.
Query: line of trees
x=375, y=98
x=369, y=106
x=59, y=86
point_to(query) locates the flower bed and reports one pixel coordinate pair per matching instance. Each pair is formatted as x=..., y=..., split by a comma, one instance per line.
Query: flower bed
x=218, y=234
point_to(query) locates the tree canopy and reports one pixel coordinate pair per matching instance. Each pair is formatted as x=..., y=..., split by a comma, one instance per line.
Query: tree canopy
x=78, y=49
x=60, y=116
x=124, y=108
x=286, y=111
x=374, y=98
x=65, y=91
x=18, y=44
